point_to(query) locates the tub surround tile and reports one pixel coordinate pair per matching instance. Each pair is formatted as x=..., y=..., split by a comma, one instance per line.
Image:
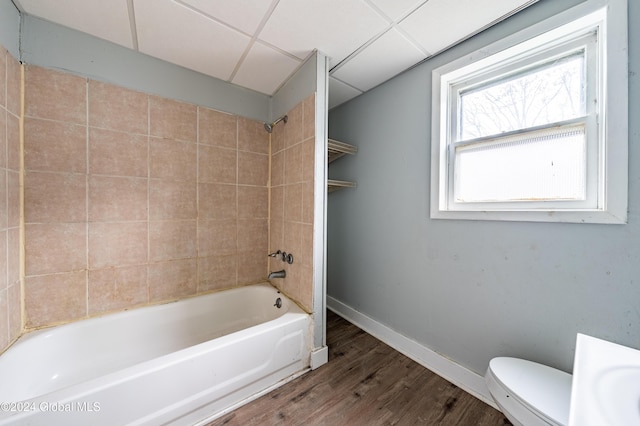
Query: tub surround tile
x=293, y=203
x=277, y=169
x=277, y=202
x=15, y=311
x=293, y=238
x=217, y=201
x=3, y=138
x=291, y=284
x=172, y=119
x=114, y=289
x=217, y=164
x=117, y=108
x=4, y=313
x=217, y=237
x=252, y=267
x=55, y=197
x=305, y=290
x=253, y=169
x=4, y=207
x=54, y=146
x=306, y=245
x=3, y=78
x=217, y=128
x=55, y=95
x=309, y=117
x=217, y=272
x=55, y=247
x=13, y=85
x=307, y=202
x=308, y=159
x=172, y=200
x=172, y=280
x=10, y=287
x=13, y=142
x=172, y=159
x=56, y=298
x=293, y=164
x=13, y=256
x=277, y=138
x=293, y=134
x=114, y=199
x=285, y=284
x=13, y=199
x=253, y=234
x=253, y=202
x=118, y=154
x=117, y=244
x=252, y=136
x=277, y=236
x=170, y=240
x=4, y=282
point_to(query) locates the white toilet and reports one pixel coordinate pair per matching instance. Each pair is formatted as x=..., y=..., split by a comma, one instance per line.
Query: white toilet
x=529, y=394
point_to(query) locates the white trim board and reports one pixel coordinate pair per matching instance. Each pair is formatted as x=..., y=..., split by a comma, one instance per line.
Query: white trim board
x=460, y=376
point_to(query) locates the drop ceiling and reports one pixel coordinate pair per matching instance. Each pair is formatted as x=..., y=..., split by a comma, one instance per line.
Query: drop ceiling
x=259, y=44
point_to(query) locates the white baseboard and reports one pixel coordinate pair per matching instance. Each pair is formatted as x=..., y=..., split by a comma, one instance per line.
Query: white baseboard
x=319, y=357
x=460, y=376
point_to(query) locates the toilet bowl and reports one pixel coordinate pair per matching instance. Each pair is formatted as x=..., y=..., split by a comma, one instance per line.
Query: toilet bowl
x=529, y=394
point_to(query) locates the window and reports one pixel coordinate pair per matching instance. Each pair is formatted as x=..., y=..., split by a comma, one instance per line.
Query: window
x=534, y=127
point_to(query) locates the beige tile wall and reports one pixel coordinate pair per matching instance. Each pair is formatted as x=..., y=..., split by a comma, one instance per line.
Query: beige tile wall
x=10, y=287
x=133, y=199
x=292, y=176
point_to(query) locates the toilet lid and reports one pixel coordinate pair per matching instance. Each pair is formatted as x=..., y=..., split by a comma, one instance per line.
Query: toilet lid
x=543, y=389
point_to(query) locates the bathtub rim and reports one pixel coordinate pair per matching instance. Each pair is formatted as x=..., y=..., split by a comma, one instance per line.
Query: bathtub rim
x=35, y=331
x=67, y=393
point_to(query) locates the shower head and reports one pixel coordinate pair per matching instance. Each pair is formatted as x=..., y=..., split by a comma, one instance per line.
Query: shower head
x=269, y=126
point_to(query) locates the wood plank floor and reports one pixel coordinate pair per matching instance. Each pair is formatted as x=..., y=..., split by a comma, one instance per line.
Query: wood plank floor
x=365, y=382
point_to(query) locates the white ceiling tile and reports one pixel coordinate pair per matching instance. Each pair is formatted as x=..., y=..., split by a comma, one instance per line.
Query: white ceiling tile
x=334, y=27
x=265, y=69
x=396, y=9
x=438, y=23
x=175, y=33
x=108, y=20
x=212, y=36
x=384, y=58
x=340, y=93
x=244, y=15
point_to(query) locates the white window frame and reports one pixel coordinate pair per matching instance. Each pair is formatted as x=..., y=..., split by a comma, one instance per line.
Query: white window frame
x=607, y=149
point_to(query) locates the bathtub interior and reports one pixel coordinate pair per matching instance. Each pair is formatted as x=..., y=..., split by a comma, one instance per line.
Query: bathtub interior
x=102, y=346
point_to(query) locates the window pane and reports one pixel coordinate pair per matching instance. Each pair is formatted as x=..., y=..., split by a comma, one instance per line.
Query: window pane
x=545, y=165
x=546, y=94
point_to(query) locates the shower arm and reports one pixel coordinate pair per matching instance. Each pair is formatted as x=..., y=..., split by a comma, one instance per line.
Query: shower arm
x=269, y=126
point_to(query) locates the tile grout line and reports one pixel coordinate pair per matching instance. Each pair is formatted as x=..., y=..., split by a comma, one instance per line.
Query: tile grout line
x=237, y=251
x=148, y=199
x=87, y=171
x=22, y=226
x=6, y=200
x=197, y=242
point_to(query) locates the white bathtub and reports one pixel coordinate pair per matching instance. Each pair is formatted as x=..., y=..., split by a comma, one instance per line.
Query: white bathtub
x=178, y=363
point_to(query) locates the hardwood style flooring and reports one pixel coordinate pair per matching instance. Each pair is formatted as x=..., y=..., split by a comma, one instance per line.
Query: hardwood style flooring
x=367, y=383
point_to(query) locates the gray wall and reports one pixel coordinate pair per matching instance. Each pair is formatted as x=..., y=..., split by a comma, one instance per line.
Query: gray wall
x=300, y=85
x=53, y=46
x=10, y=27
x=473, y=290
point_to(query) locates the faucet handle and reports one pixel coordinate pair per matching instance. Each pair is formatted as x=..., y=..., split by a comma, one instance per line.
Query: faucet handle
x=275, y=254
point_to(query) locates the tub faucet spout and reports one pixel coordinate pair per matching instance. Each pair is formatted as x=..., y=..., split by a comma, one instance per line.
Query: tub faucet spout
x=277, y=274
